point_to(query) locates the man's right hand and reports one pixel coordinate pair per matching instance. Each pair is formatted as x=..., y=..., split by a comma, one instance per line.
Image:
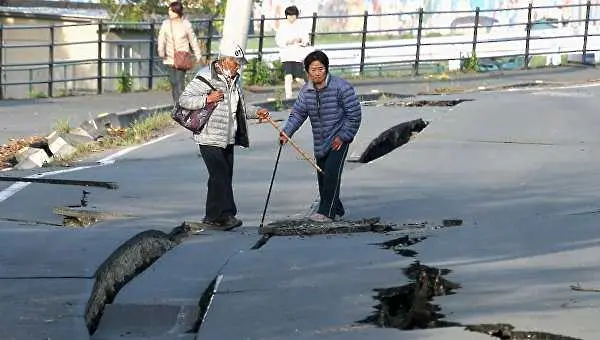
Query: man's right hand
x=214, y=96
x=282, y=138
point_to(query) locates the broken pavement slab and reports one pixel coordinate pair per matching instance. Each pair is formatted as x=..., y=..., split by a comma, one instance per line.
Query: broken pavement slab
x=167, y=295
x=46, y=278
x=296, y=286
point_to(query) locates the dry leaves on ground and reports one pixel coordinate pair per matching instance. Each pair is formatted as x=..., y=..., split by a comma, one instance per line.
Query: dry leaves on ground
x=10, y=149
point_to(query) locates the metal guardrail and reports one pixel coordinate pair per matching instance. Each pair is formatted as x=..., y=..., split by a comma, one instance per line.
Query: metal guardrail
x=418, y=49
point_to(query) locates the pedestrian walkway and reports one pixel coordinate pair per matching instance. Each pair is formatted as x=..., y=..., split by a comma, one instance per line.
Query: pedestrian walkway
x=31, y=117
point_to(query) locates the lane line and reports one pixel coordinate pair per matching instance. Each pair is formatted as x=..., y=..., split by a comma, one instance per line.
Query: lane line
x=110, y=159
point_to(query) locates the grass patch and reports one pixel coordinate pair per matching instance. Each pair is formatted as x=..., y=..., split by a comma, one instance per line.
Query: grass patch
x=139, y=132
x=62, y=126
x=37, y=95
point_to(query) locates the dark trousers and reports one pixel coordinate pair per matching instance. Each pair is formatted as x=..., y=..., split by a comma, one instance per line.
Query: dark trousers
x=329, y=183
x=219, y=198
x=177, y=81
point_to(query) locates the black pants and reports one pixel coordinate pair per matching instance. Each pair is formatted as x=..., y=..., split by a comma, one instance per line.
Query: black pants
x=294, y=68
x=329, y=183
x=177, y=81
x=219, y=198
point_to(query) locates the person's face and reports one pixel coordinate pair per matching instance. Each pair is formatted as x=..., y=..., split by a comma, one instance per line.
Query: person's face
x=230, y=66
x=317, y=72
x=173, y=15
x=291, y=18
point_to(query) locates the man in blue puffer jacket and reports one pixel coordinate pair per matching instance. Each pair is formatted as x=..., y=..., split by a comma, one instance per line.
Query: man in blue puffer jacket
x=335, y=114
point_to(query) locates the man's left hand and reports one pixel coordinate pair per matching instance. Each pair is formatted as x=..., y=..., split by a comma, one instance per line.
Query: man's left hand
x=337, y=143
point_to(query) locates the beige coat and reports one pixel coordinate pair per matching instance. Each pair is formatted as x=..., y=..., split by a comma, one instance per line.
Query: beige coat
x=182, y=33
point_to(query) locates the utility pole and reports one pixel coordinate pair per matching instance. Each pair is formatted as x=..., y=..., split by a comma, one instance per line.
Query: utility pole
x=237, y=19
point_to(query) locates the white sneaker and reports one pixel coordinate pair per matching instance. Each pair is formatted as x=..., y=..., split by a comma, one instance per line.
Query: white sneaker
x=316, y=217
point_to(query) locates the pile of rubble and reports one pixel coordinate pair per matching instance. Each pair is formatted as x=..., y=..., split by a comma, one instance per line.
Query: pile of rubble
x=9, y=150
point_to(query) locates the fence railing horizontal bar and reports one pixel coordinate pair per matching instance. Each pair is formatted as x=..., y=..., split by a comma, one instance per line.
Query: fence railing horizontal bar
x=46, y=64
x=68, y=25
x=9, y=46
x=126, y=41
x=58, y=44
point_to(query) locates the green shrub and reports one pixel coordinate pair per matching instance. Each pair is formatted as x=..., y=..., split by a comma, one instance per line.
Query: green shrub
x=470, y=64
x=124, y=82
x=259, y=73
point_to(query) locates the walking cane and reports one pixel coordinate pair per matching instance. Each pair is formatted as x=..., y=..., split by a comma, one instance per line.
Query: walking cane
x=262, y=221
x=300, y=151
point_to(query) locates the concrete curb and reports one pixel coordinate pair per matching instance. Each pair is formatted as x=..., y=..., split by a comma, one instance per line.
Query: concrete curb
x=65, y=144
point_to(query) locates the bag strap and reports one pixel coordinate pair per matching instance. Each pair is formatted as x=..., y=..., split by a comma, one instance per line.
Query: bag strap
x=172, y=37
x=202, y=79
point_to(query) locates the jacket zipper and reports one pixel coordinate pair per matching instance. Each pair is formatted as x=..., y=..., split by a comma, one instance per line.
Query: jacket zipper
x=321, y=128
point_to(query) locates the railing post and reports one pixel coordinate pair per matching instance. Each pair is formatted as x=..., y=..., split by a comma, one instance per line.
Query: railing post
x=152, y=53
x=51, y=62
x=419, y=34
x=99, y=61
x=528, y=35
x=475, y=29
x=209, y=40
x=363, y=44
x=65, y=88
x=30, y=82
x=1, y=61
x=313, y=29
x=586, y=28
x=261, y=38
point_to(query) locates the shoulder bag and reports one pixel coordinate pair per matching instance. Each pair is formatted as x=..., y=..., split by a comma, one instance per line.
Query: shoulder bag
x=194, y=120
x=182, y=60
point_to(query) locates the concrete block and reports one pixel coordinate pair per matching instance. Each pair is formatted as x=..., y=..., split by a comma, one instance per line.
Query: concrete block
x=30, y=158
x=60, y=147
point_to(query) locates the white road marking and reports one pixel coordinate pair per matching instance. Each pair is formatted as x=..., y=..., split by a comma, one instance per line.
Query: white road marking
x=18, y=186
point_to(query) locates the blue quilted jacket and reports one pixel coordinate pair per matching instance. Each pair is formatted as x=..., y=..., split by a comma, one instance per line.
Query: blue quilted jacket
x=333, y=111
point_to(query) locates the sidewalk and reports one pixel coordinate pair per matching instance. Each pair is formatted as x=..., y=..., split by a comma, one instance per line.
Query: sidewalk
x=25, y=118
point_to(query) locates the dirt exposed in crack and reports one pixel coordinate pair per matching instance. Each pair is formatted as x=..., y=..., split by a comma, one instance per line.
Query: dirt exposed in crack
x=410, y=306
x=305, y=227
x=81, y=218
x=125, y=263
x=415, y=103
x=400, y=245
x=390, y=140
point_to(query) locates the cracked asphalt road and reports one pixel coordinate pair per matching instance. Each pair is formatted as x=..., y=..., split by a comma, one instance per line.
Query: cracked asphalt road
x=523, y=242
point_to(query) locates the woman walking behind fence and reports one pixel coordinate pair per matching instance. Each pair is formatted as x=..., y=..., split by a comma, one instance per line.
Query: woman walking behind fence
x=175, y=37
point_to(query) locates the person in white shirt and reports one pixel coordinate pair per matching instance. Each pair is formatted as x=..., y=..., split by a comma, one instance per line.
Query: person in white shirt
x=292, y=38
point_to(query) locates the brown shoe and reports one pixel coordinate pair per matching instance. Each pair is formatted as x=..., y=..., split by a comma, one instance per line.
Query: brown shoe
x=230, y=222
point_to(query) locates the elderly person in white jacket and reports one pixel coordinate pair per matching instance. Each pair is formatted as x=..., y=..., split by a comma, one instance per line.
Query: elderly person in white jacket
x=292, y=38
x=225, y=128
